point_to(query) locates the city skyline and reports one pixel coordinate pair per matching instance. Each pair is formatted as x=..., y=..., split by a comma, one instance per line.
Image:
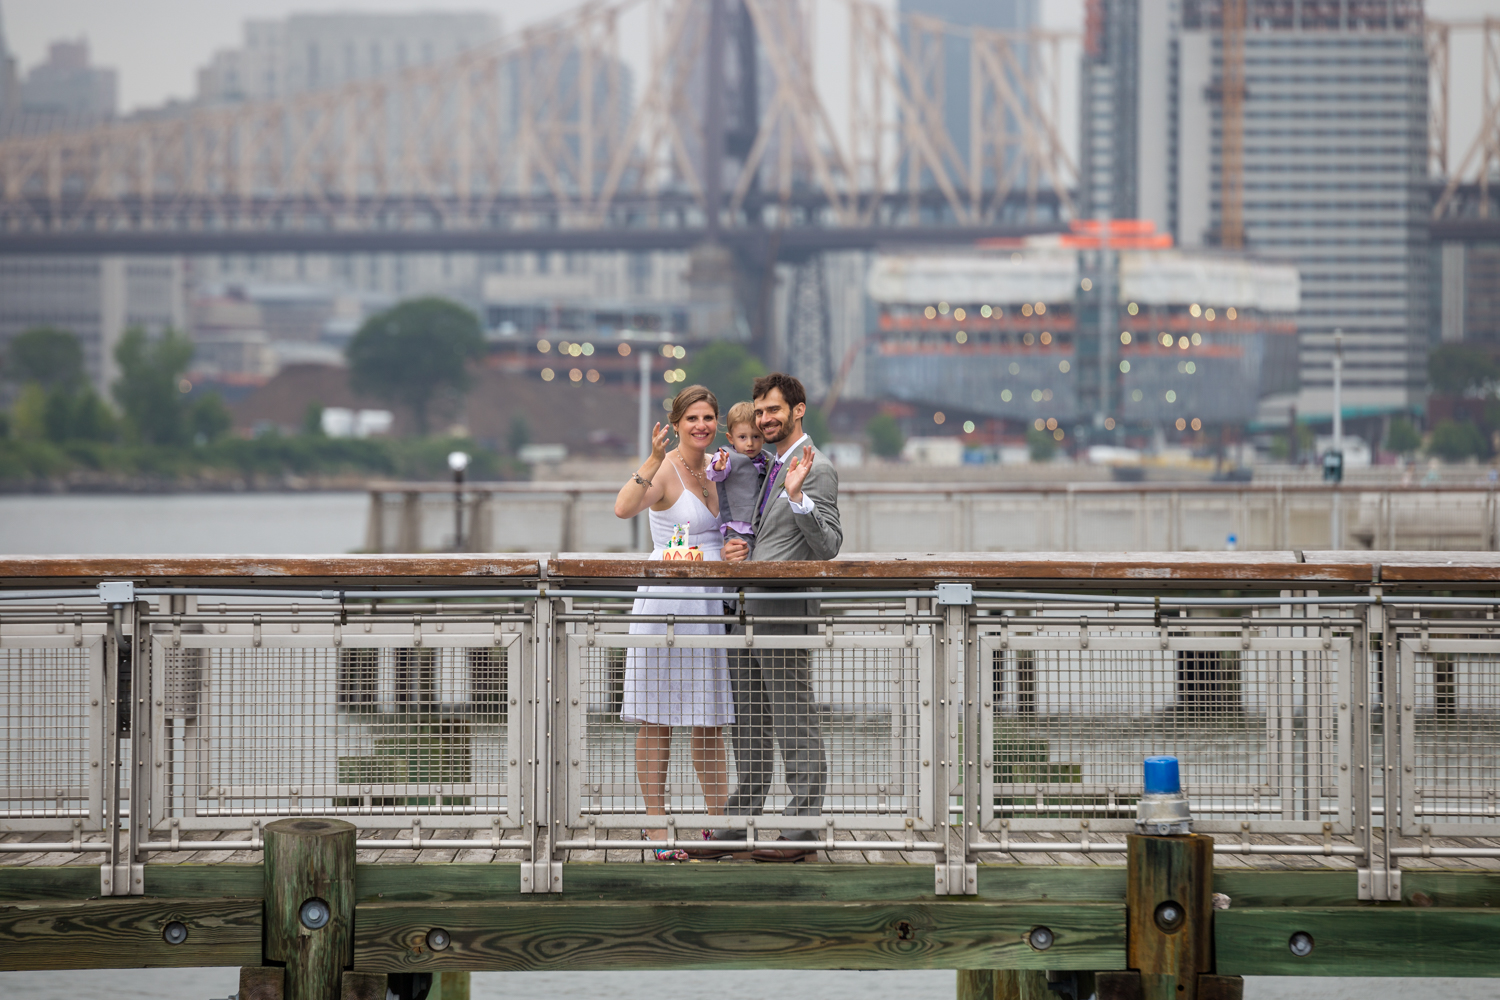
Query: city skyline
x=128, y=38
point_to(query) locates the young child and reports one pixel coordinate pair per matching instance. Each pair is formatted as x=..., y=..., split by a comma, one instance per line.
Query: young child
x=738, y=473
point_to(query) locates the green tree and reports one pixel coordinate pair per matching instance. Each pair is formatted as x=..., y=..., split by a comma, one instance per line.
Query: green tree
x=1401, y=437
x=30, y=413
x=210, y=418
x=148, y=389
x=413, y=352
x=520, y=434
x=77, y=414
x=1041, y=445
x=47, y=356
x=727, y=368
x=312, y=419
x=1452, y=440
x=815, y=425
x=886, y=439
x=1454, y=369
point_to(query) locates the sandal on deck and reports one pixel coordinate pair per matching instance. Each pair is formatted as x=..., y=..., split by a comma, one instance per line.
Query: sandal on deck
x=666, y=853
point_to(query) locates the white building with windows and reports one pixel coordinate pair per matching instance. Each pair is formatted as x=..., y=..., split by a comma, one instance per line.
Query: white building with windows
x=1335, y=148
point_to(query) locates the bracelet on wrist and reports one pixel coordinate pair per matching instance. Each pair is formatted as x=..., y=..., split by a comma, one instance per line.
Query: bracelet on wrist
x=644, y=482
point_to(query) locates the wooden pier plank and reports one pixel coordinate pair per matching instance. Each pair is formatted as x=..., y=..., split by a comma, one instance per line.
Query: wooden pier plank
x=1358, y=941
x=126, y=933
x=517, y=936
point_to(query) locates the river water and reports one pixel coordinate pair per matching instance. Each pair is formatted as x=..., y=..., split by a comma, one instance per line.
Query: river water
x=316, y=523
x=203, y=984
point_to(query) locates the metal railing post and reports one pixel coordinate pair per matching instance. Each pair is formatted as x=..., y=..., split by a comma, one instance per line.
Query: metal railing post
x=1361, y=737
x=953, y=769
x=121, y=874
x=375, y=528
x=541, y=873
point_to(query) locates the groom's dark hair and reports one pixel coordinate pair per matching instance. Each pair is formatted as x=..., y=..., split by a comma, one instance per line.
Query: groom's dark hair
x=790, y=386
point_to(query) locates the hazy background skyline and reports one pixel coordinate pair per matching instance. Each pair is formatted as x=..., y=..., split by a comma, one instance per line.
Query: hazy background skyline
x=158, y=46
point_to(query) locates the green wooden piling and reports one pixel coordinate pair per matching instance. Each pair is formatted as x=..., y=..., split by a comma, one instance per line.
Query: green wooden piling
x=309, y=904
x=1169, y=913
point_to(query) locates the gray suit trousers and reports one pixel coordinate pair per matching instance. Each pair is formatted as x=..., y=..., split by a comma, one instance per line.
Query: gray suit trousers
x=775, y=708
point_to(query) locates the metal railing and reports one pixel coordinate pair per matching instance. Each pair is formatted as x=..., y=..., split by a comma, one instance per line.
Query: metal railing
x=939, y=717
x=976, y=517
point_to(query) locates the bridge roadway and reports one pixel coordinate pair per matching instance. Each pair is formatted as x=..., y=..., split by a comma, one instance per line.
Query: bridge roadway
x=1423, y=902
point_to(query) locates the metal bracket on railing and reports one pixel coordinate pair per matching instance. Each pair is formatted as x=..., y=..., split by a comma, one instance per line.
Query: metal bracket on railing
x=117, y=592
x=671, y=630
x=255, y=631
x=749, y=635
x=541, y=876
x=416, y=630
x=1426, y=638
x=593, y=627
x=1380, y=884
x=955, y=593
x=956, y=878
x=828, y=633
x=1083, y=633
x=1326, y=634
x=1245, y=636
x=122, y=880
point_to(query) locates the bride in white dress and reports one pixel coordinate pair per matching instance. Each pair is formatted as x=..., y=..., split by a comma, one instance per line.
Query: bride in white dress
x=679, y=687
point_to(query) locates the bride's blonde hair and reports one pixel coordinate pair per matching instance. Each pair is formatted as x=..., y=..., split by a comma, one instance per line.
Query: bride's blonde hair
x=687, y=397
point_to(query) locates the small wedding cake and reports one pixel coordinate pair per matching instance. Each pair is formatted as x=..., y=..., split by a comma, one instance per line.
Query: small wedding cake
x=678, y=547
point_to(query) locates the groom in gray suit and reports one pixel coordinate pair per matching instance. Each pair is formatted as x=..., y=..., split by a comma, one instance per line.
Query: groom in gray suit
x=796, y=518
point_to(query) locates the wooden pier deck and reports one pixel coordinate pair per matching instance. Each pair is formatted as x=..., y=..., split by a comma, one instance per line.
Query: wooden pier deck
x=871, y=906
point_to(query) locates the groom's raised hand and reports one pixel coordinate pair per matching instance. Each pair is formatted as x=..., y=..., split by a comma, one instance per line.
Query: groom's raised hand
x=796, y=474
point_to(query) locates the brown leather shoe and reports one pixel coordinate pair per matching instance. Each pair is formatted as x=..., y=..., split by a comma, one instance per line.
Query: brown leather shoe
x=710, y=853
x=709, y=850
x=784, y=854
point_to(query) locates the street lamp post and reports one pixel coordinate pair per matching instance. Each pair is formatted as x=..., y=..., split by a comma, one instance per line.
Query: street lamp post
x=458, y=461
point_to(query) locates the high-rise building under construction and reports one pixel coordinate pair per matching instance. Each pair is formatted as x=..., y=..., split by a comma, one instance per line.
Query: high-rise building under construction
x=1299, y=135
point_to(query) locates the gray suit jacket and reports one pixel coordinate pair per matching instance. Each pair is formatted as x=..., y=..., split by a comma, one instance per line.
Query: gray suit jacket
x=782, y=534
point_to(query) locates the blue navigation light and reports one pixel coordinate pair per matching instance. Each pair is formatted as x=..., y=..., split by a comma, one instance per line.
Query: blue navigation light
x=1162, y=777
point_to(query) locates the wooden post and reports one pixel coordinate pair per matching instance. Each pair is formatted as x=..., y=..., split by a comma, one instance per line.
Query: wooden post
x=309, y=893
x=1169, y=913
x=259, y=982
x=1002, y=984
x=450, y=986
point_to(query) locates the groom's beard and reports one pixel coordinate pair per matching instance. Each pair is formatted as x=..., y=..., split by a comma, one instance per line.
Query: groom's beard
x=781, y=435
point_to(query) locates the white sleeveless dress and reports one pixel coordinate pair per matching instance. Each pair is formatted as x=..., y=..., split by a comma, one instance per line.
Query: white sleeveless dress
x=680, y=687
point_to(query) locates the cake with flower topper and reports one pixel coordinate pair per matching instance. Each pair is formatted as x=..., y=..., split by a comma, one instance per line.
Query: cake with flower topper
x=678, y=547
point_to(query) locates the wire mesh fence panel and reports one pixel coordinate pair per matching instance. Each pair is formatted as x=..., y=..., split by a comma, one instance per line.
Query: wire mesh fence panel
x=779, y=728
x=1450, y=736
x=1255, y=719
x=381, y=726
x=52, y=727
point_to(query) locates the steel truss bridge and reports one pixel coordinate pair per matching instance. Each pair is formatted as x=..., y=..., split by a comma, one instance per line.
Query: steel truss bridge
x=544, y=140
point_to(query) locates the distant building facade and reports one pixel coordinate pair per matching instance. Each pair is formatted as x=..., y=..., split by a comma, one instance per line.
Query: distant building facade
x=95, y=298
x=1335, y=147
x=1202, y=337
x=69, y=84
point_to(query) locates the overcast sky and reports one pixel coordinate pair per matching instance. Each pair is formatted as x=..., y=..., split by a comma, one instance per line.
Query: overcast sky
x=158, y=45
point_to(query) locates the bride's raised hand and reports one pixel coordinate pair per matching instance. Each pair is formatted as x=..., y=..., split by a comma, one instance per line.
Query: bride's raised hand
x=659, y=442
